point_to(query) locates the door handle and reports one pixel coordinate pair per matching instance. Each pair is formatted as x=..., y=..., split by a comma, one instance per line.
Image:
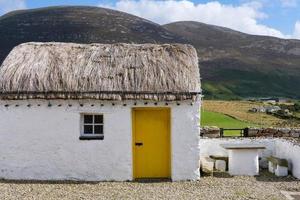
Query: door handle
x=138, y=144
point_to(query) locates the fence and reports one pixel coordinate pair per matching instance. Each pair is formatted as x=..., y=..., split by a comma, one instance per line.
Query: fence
x=232, y=132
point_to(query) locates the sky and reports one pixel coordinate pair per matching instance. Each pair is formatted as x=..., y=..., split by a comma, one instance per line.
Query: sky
x=279, y=18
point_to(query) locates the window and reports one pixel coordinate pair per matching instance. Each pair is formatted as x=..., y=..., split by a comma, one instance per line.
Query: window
x=92, y=127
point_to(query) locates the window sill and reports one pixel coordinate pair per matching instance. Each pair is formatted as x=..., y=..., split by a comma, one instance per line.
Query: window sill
x=82, y=137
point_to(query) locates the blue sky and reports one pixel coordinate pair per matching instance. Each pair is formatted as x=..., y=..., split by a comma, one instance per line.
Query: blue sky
x=280, y=18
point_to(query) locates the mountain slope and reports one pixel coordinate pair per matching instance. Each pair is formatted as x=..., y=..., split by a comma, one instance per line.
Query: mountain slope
x=78, y=24
x=234, y=64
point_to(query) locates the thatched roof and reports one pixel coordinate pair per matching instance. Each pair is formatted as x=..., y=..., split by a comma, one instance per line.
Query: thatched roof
x=100, y=71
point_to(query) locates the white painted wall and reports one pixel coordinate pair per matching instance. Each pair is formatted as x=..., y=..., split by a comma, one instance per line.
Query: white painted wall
x=43, y=143
x=287, y=150
x=185, y=142
x=281, y=148
x=212, y=146
x=243, y=162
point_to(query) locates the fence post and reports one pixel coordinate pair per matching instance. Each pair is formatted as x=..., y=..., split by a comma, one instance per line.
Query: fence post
x=221, y=132
x=246, y=132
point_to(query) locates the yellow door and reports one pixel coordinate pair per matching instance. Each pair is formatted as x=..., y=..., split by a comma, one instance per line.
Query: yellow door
x=151, y=142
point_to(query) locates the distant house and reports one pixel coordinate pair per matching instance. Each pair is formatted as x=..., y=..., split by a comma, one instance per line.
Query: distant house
x=272, y=109
x=99, y=112
x=258, y=109
x=269, y=100
x=287, y=112
x=265, y=109
x=274, y=100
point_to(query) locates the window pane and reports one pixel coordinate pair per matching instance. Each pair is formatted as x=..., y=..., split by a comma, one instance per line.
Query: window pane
x=98, y=119
x=88, y=129
x=88, y=119
x=98, y=129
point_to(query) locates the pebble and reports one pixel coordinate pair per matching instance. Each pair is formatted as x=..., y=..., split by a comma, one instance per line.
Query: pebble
x=221, y=186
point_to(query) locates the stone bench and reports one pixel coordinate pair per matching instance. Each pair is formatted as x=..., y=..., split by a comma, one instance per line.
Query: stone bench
x=207, y=165
x=213, y=163
x=221, y=162
x=278, y=166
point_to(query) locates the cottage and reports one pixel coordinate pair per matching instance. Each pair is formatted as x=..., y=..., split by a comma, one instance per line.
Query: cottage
x=258, y=109
x=272, y=109
x=99, y=112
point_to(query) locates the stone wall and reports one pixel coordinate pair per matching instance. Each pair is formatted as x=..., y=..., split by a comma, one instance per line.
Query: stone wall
x=210, y=132
x=214, y=132
x=274, y=132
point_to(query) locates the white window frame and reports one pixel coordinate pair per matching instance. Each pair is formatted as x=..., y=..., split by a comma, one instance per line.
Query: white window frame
x=93, y=124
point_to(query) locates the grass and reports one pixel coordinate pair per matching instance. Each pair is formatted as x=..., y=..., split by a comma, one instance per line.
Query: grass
x=239, y=110
x=234, y=114
x=209, y=118
x=220, y=120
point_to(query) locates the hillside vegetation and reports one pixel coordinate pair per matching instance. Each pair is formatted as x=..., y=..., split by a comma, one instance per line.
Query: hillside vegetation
x=235, y=65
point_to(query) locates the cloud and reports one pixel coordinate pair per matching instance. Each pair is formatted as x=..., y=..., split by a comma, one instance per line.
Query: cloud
x=10, y=5
x=289, y=3
x=297, y=30
x=243, y=17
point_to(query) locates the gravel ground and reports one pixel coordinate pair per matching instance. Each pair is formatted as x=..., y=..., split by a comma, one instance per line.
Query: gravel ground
x=221, y=186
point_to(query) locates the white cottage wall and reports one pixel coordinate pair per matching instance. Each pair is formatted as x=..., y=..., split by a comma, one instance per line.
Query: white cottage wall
x=42, y=142
x=185, y=142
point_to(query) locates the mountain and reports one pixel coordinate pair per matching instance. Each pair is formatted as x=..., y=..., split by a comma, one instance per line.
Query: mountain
x=237, y=65
x=78, y=24
x=232, y=64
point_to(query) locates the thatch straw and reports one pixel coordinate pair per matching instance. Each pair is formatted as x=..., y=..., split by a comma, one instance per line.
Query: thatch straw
x=100, y=71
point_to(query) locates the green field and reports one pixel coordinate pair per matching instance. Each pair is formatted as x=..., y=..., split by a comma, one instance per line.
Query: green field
x=220, y=120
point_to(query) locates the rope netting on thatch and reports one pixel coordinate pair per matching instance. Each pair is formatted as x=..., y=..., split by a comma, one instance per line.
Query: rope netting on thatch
x=100, y=71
